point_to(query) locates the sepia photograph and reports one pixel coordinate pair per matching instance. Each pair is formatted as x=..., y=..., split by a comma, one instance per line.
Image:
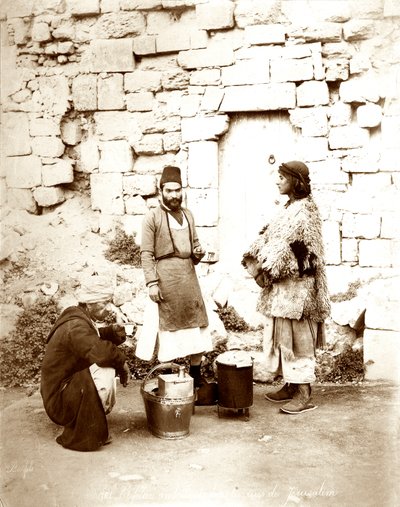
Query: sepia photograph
x=200, y=253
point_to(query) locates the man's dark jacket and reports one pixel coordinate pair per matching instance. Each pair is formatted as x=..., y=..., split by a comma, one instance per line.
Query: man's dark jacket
x=67, y=388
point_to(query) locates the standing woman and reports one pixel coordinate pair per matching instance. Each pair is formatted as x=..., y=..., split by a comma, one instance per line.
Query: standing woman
x=287, y=261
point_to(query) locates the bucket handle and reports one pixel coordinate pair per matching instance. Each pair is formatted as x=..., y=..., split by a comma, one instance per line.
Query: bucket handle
x=161, y=366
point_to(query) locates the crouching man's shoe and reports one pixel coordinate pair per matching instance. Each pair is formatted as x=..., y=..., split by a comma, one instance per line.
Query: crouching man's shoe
x=300, y=402
x=286, y=393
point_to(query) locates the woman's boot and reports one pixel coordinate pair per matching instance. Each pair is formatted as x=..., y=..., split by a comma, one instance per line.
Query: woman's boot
x=301, y=401
x=286, y=393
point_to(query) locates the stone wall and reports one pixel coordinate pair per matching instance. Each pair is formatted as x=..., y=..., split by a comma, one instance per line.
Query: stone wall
x=114, y=90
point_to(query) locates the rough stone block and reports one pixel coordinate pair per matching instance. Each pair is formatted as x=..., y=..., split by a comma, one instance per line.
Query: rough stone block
x=110, y=92
x=254, y=12
x=144, y=45
x=54, y=95
x=175, y=80
x=142, y=80
x=205, y=77
x=89, y=156
x=327, y=172
x=44, y=127
x=16, y=140
x=390, y=160
x=40, y=32
x=48, y=196
x=140, y=184
x=266, y=97
x=112, y=55
x=216, y=17
x=340, y=114
x=390, y=225
x=348, y=137
x=71, y=132
x=218, y=54
x=150, y=144
x=131, y=5
x=106, y=193
x=115, y=157
x=204, y=128
x=284, y=70
x=19, y=9
x=109, y=5
x=312, y=121
x=170, y=101
x=172, y=141
x=58, y=173
x=336, y=69
x=391, y=8
x=360, y=89
x=83, y=7
x=120, y=25
x=158, y=121
x=369, y=115
x=382, y=355
x=331, y=235
x=265, y=34
x=45, y=146
x=205, y=202
x=112, y=125
x=212, y=99
x=382, y=314
x=363, y=163
x=198, y=39
x=203, y=164
x=361, y=226
x=135, y=205
x=390, y=131
x=21, y=198
x=84, y=92
x=173, y=40
x=190, y=105
x=312, y=93
x=19, y=29
x=376, y=253
x=23, y=172
x=141, y=101
x=246, y=72
x=349, y=250
x=371, y=184
x=358, y=29
x=323, y=32
x=313, y=149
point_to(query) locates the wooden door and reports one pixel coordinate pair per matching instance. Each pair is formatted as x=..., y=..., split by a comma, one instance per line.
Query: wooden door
x=249, y=156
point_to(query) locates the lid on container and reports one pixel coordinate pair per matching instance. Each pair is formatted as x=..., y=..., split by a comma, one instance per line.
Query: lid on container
x=238, y=358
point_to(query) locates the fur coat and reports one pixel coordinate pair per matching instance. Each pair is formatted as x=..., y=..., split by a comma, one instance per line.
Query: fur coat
x=289, y=256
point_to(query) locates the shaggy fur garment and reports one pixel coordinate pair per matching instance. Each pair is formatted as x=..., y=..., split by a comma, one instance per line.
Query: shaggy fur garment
x=290, y=252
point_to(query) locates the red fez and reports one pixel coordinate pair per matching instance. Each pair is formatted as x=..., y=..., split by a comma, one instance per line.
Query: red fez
x=171, y=174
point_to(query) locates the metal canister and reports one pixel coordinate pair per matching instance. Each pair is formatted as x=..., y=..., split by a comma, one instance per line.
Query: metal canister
x=235, y=380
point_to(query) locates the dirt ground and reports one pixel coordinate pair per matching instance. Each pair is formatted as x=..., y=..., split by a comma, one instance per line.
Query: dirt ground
x=345, y=453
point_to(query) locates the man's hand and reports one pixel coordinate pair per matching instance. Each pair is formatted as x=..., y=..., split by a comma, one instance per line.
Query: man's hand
x=124, y=374
x=119, y=332
x=155, y=293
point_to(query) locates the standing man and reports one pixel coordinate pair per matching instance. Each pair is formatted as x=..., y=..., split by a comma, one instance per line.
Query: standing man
x=79, y=368
x=170, y=248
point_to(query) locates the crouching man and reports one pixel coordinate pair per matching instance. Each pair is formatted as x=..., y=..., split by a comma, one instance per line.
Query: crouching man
x=78, y=372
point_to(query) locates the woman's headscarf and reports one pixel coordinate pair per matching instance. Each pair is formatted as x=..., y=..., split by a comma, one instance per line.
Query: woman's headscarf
x=299, y=171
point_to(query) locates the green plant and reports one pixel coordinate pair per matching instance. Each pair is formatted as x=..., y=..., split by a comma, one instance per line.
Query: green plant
x=232, y=320
x=23, y=349
x=123, y=249
x=348, y=366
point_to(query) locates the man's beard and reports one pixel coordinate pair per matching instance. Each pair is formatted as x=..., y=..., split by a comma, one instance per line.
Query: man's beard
x=173, y=204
